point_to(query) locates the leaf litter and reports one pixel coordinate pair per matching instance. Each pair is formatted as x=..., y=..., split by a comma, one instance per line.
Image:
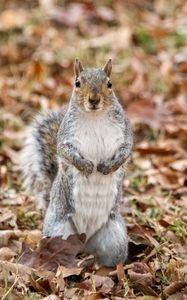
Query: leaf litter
x=147, y=41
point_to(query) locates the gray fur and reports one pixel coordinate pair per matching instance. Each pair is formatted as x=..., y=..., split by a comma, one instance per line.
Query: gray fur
x=80, y=162
x=71, y=154
x=38, y=158
x=109, y=243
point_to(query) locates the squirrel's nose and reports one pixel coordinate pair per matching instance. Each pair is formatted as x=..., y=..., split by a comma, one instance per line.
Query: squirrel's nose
x=94, y=101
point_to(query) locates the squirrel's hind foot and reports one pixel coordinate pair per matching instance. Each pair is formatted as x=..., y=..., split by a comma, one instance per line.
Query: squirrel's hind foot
x=110, y=243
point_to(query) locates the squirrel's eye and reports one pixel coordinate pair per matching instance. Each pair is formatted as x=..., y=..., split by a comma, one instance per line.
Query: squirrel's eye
x=77, y=83
x=109, y=84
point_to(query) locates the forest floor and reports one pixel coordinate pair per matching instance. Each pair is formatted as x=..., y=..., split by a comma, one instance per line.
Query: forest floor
x=147, y=41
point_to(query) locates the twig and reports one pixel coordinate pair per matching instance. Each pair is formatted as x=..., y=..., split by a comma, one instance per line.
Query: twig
x=10, y=289
x=15, y=268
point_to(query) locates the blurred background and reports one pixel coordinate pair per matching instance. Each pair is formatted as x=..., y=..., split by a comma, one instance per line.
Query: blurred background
x=147, y=41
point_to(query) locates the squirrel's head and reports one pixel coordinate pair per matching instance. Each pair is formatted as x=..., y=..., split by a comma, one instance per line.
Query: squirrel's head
x=93, y=87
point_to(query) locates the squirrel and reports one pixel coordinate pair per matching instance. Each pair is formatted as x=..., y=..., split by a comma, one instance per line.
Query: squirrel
x=74, y=162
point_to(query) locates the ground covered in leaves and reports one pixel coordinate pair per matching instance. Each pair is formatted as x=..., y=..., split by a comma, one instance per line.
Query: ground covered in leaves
x=147, y=41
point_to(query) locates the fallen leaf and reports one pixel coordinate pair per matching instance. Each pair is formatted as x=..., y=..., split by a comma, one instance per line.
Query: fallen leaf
x=66, y=272
x=6, y=253
x=6, y=235
x=120, y=272
x=155, y=150
x=179, y=165
x=147, y=112
x=33, y=237
x=53, y=252
x=93, y=296
x=51, y=297
x=37, y=285
x=103, y=284
x=7, y=219
x=140, y=273
x=174, y=287
x=143, y=288
x=11, y=19
x=105, y=271
x=70, y=16
x=105, y=13
x=15, y=268
x=60, y=279
x=119, y=38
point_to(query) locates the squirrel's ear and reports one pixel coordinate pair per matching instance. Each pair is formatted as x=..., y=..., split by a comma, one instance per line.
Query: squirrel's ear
x=78, y=68
x=108, y=67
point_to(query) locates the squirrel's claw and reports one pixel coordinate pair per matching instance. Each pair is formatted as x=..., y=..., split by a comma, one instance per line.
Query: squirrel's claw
x=104, y=168
x=88, y=167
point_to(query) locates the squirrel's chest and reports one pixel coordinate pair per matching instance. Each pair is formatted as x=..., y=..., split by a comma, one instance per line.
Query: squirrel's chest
x=97, y=139
x=95, y=196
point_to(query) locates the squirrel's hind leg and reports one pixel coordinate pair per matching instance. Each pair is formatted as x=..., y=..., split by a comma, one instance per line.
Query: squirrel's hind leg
x=110, y=243
x=58, y=215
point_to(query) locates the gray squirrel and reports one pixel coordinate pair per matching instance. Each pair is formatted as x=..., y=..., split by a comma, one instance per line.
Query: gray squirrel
x=74, y=163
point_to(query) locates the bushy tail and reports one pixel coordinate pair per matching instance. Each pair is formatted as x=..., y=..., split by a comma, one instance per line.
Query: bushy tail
x=38, y=158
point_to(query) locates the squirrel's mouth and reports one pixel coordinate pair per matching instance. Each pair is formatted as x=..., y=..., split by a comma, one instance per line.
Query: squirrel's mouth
x=94, y=107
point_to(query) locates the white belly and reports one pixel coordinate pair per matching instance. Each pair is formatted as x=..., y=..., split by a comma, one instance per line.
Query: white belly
x=95, y=195
x=94, y=198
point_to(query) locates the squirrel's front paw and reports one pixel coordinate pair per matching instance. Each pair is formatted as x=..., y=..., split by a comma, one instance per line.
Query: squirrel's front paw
x=104, y=168
x=88, y=167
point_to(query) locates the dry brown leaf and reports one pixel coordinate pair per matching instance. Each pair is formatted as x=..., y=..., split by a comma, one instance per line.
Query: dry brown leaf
x=33, y=237
x=145, y=111
x=38, y=287
x=120, y=272
x=6, y=235
x=86, y=262
x=105, y=271
x=66, y=272
x=70, y=16
x=155, y=150
x=60, y=279
x=7, y=219
x=93, y=296
x=51, y=297
x=53, y=252
x=6, y=253
x=179, y=165
x=2, y=291
x=143, y=288
x=117, y=39
x=107, y=284
x=36, y=71
x=176, y=269
x=140, y=273
x=103, y=284
x=174, y=287
x=15, y=268
x=11, y=19
x=140, y=235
